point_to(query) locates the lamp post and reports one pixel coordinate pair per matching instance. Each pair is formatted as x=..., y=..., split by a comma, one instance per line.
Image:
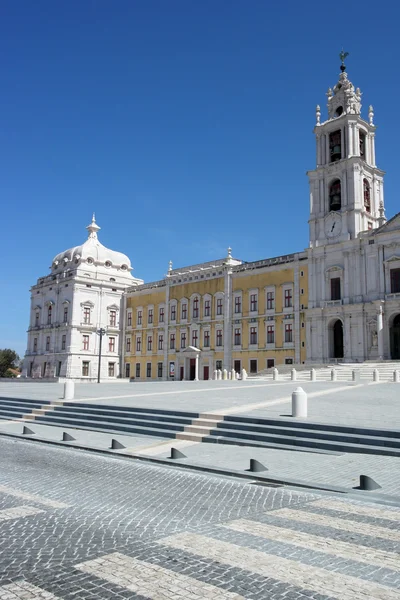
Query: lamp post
x=100, y=332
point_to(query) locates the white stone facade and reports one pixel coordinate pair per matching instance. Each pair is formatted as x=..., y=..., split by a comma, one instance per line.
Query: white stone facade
x=83, y=293
x=354, y=288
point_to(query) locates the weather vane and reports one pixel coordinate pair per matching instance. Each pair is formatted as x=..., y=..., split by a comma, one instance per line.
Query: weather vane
x=343, y=55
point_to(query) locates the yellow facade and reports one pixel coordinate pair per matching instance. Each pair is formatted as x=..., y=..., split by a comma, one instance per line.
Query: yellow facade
x=220, y=315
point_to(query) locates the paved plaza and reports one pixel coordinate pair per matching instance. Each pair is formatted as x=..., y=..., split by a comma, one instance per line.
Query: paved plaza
x=80, y=526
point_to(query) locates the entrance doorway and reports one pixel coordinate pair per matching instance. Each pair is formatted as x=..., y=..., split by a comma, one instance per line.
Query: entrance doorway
x=395, y=338
x=181, y=371
x=236, y=366
x=192, y=369
x=206, y=373
x=336, y=340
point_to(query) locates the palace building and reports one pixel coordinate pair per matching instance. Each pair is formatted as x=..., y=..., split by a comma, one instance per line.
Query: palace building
x=337, y=300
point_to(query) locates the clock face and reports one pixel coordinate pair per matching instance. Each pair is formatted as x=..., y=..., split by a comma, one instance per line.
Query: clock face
x=333, y=225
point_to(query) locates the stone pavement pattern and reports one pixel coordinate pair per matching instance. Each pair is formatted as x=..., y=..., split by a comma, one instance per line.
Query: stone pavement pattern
x=95, y=527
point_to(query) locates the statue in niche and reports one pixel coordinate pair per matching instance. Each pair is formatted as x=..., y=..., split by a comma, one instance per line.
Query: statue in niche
x=374, y=338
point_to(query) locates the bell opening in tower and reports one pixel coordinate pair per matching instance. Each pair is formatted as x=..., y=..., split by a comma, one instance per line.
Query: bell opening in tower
x=339, y=111
x=335, y=195
x=362, y=145
x=335, y=145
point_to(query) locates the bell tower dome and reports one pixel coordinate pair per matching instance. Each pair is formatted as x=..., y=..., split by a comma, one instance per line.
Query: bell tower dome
x=346, y=188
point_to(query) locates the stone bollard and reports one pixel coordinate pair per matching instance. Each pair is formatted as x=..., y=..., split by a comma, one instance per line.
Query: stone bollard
x=333, y=375
x=396, y=376
x=293, y=374
x=237, y=376
x=275, y=374
x=69, y=389
x=375, y=375
x=355, y=376
x=229, y=374
x=219, y=375
x=313, y=375
x=215, y=375
x=244, y=374
x=299, y=403
x=233, y=374
x=224, y=374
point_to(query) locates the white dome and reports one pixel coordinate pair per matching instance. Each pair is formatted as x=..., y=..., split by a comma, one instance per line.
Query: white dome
x=92, y=252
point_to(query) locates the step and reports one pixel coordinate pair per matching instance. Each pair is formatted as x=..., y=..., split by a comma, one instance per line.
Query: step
x=150, y=411
x=8, y=400
x=117, y=422
x=111, y=413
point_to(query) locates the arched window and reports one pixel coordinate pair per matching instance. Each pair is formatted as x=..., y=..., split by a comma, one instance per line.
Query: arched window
x=362, y=144
x=367, y=195
x=335, y=145
x=335, y=195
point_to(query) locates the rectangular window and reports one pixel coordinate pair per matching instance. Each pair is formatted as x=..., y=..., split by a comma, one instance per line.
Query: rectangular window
x=86, y=315
x=253, y=335
x=49, y=314
x=395, y=281
x=159, y=369
x=150, y=316
x=238, y=305
x=219, y=306
x=288, y=361
x=173, y=312
x=47, y=343
x=85, y=368
x=128, y=344
x=111, y=344
x=219, y=337
x=148, y=370
x=206, y=339
x=218, y=365
x=63, y=342
x=127, y=370
x=184, y=312
x=253, y=302
x=149, y=342
x=58, y=371
x=207, y=308
x=238, y=336
x=37, y=319
x=253, y=366
x=113, y=318
x=35, y=344
x=129, y=319
x=86, y=342
x=137, y=369
x=172, y=341
x=270, y=300
x=111, y=369
x=270, y=334
x=65, y=314
x=196, y=308
x=160, y=342
x=139, y=317
x=138, y=344
x=335, y=288
x=195, y=335
x=288, y=333
x=183, y=340
x=288, y=298
x=161, y=315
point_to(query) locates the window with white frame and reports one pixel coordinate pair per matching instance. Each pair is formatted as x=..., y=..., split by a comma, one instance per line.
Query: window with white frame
x=160, y=369
x=63, y=342
x=137, y=369
x=184, y=311
x=238, y=305
x=85, y=368
x=195, y=308
x=288, y=298
x=113, y=318
x=149, y=342
x=270, y=299
x=128, y=344
x=65, y=315
x=87, y=315
x=219, y=306
x=270, y=334
x=138, y=343
x=150, y=316
x=148, y=370
x=37, y=318
x=129, y=318
x=161, y=314
x=288, y=333
x=85, y=342
x=183, y=340
x=49, y=313
x=47, y=343
x=173, y=312
x=160, y=341
x=219, y=337
x=207, y=308
x=35, y=341
x=139, y=317
x=195, y=338
x=111, y=344
x=253, y=302
x=172, y=341
x=111, y=369
x=253, y=336
x=206, y=339
x=237, y=337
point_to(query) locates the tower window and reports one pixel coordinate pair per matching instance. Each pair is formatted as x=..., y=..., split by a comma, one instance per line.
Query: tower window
x=362, y=144
x=395, y=281
x=339, y=111
x=335, y=288
x=335, y=195
x=335, y=145
x=367, y=195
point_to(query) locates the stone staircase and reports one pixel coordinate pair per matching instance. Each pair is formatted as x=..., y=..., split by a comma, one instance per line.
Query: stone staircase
x=344, y=372
x=207, y=427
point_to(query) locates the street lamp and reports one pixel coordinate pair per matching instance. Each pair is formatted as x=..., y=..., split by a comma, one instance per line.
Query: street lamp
x=100, y=332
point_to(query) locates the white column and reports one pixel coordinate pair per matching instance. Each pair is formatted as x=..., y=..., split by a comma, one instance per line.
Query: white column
x=346, y=275
x=342, y=144
x=321, y=196
x=196, y=368
x=350, y=149
x=372, y=149
x=327, y=149
x=318, y=150
x=379, y=329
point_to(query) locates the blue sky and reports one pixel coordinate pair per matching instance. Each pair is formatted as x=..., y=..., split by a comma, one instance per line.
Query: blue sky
x=185, y=125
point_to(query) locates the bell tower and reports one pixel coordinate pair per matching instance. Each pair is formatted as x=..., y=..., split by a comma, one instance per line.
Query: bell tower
x=346, y=188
